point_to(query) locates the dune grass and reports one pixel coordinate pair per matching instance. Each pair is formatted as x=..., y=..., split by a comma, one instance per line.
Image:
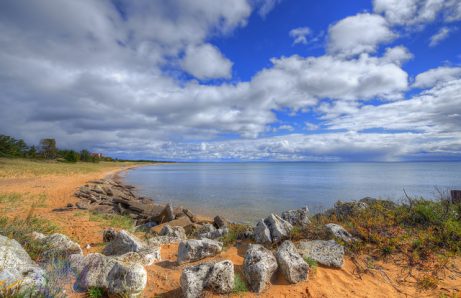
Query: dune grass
x=26, y=168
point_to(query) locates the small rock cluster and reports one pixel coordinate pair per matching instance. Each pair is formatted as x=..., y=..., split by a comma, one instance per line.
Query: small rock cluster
x=273, y=229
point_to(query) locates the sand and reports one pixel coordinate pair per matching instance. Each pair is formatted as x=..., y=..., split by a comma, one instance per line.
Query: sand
x=163, y=277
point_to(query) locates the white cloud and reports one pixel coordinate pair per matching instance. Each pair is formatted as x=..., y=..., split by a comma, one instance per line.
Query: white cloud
x=441, y=35
x=435, y=76
x=206, y=62
x=357, y=34
x=266, y=6
x=300, y=34
x=418, y=12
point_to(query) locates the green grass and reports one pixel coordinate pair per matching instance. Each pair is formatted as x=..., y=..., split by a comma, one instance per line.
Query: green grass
x=94, y=292
x=113, y=220
x=240, y=285
x=24, y=168
x=20, y=230
x=313, y=265
x=234, y=231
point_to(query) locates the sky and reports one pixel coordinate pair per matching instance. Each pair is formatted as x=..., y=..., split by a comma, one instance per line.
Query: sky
x=240, y=80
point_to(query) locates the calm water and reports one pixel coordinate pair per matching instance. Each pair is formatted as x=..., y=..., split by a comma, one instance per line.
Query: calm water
x=248, y=191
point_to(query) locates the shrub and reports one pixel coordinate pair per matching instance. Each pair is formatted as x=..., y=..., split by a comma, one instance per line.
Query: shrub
x=95, y=292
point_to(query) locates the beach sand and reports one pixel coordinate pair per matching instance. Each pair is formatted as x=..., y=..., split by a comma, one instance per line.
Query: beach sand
x=57, y=190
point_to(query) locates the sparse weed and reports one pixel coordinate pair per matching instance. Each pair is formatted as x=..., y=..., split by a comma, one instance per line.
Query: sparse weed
x=113, y=220
x=239, y=284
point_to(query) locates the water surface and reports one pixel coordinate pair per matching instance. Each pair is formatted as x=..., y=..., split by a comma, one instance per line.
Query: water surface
x=248, y=191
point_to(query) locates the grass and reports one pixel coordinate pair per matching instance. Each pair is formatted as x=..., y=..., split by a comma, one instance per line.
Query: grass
x=20, y=230
x=313, y=265
x=95, y=292
x=240, y=285
x=113, y=220
x=234, y=231
x=25, y=168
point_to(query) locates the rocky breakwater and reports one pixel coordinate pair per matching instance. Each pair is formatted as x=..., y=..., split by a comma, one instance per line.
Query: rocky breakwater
x=111, y=196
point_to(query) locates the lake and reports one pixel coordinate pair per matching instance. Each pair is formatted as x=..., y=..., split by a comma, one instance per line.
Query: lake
x=245, y=192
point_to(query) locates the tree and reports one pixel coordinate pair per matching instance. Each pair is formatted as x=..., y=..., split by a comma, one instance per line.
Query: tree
x=71, y=156
x=32, y=153
x=85, y=155
x=48, y=148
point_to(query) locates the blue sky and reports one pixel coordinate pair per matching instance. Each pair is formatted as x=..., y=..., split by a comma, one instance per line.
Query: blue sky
x=256, y=80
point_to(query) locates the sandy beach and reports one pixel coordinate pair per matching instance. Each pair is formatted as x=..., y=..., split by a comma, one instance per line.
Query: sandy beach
x=56, y=190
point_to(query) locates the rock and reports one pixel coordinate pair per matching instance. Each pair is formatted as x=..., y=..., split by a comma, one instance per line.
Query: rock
x=122, y=243
x=343, y=210
x=221, y=277
x=258, y=267
x=217, y=277
x=166, y=215
x=219, y=222
x=128, y=247
x=328, y=253
x=193, y=250
x=175, y=231
x=193, y=280
x=298, y=217
x=109, y=235
x=339, y=232
x=291, y=264
x=246, y=233
x=70, y=205
x=261, y=233
x=190, y=215
x=160, y=240
x=18, y=268
x=180, y=222
x=118, y=278
x=207, y=228
x=215, y=234
x=58, y=246
x=272, y=229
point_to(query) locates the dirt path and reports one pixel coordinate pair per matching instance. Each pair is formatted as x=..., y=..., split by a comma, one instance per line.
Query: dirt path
x=56, y=191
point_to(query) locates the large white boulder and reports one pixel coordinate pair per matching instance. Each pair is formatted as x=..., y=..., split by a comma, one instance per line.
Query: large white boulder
x=193, y=250
x=258, y=267
x=328, y=253
x=291, y=263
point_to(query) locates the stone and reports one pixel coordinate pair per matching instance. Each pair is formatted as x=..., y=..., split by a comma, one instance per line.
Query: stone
x=291, y=264
x=298, y=217
x=190, y=215
x=215, y=234
x=261, y=233
x=17, y=267
x=58, y=246
x=122, y=243
x=166, y=215
x=272, y=229
x=258, y=267
x=117, y=277
x=175, y=231
x=207, y=228
x=145, y=256
x=216, y=277
x=193, y=250
x=193, y=280
x=109, y=235
x=180, y=222
x=221, y=277
x=219, y=222
x=160, y=240
x=343, y=210
x=339, y=232
x=328, y=253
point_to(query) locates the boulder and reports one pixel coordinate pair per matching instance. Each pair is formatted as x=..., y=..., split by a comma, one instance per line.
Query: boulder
x=339, y=232
x=160, y=240
x=193, y=280
x=215, y=234
x=291, y=264
x=219, y=222
x=258, y=267
x=122, y=243
x=328, y=253
x=217, y=277
x=57, y=246
x=175, y=231
x=207, y=228
x=17, y=267
x=190, y=215
x=109, y=234
x=273, y=229
x=166, y=215
x=193, y=250
x=180, y=222
x=343, y=210
x=116, y=277
x=128, y=247
x=298, y=217
x=261, y=233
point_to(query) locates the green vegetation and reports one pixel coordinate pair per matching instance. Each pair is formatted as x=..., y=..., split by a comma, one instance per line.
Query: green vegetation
x=113, y=220
x=234, y=231
x=95, y=292
x=313, y=265
x=239, y=284
x=20, y=230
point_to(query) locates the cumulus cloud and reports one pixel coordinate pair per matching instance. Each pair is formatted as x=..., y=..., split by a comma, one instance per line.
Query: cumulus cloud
x=357, y=34
x=437, y=75
x=441, y=35
x=266, y=6
x=416, y=12
x=300, y=34
x=206, y=62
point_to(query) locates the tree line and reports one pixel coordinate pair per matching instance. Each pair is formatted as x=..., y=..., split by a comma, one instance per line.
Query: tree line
x=47, y=149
